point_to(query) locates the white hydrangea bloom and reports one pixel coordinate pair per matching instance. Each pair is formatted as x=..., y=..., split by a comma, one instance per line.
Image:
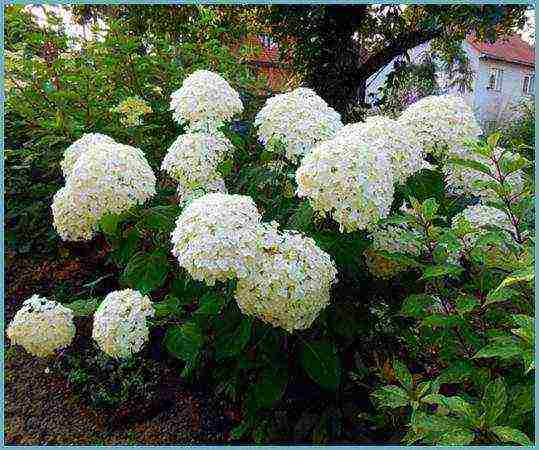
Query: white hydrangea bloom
x=345, y=178
x=290, y=282
x=441, y=121
x=42, y=326
x=205, y=101
x=388, y=136
x=215, y=236
x=79, y=147
x=295, y=122
x=120, y=327
x=105, y=179
x=460, y=180
x=480, y=216
x=192, y=160
x=393, y=239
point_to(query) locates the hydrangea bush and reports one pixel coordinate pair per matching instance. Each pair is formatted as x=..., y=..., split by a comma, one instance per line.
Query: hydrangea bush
x=270, y=283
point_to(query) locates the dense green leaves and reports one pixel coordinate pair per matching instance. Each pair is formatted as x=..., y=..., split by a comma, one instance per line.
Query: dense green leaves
x=185, y=341
x=510, y=435
x=147, y=271
x=391, y=396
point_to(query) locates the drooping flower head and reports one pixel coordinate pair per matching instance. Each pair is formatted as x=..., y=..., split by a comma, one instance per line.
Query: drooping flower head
x=441, y=122
x=294, y=122
x=289, y=283
x=193, y=159
x=205, y=101
x=79, y=147
x=347, y=179
x=215, y=236
x=105, y=179
x=388, y=136
x=120, y=327
x=42, y=326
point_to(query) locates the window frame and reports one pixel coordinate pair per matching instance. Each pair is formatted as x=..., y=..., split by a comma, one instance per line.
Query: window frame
x=498, y=80
x=529, y=87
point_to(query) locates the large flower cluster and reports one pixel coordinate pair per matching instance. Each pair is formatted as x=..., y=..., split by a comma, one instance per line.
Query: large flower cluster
x=385, y=135
x=294, y=122
x=192, y=160
x=348, y=179
x=132, y=110
x=392, y=239
x=205, y=101
x=106, y=178
x=42, y=326
x=120, y=327
x=441, y=122
x=479, y=217
x=289, y=283
x=215, y=237
x=79, y=147
x=461, y=180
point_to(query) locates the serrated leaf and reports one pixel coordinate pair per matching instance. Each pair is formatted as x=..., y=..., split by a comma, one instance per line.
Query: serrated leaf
x=458, y=436
x=429, y=208
x=109, y=224
x=507, y=434
x=494, y=401
x=321, y=362
x=500, y=295
x=470, y=164
x=231, y=344
x=499, y=350
x=268, y=389
x=416, y=305
x=402, y=374
x=391, y=396
x=185, y=341
x=441, y=271
x=84, y=307
x=147, y=271
x=466, y=304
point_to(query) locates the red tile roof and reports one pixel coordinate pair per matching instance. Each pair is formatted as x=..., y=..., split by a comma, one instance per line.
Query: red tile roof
x=511, y=49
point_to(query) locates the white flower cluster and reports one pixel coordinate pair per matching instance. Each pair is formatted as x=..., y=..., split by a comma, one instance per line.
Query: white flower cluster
x=393, y=239
x=385, y=135
x=205, y=101
x=460, y=180
x=42, y=326
x=79, y=147
x=290, y=282
x=294, y=122
x=192, y=160
x=105, y=178
x=345, y=177
x=479, y=216
x=120, y=327
x=215, y=236
x=440, y=121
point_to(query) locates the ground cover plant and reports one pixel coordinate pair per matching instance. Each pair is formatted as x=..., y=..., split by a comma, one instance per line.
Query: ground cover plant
x=335, y=282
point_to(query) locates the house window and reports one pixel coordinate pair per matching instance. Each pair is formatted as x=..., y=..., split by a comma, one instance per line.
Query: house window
x=528, y=84
x=495, y=79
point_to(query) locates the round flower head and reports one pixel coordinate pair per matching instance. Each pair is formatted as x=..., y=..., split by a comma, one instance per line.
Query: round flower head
x=388, y=136
x=42, y=326
x=205, y=101
x=392, y=239
x=193, y=158
x=215, y=236
x=460, y=180
x=106, y=179
x=345, y=178
x=79, y=147
x=294, y=122
x=120, y=328
x=441, y=122
x=478, y=217
x=289, y=284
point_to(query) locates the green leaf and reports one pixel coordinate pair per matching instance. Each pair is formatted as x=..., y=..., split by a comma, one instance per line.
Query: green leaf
x=109, y=224
x=429, y=208
x=147, y=271
x=493, y=139
x=416, y=305
x=507, y=434
x=500, y=295
x=466, y=304
x=470, y=164
x=84, y=307
x=502, y=350
x=391, y=396
x=185, y=341
x=160, y=218
x=440, y=320
x=494, y=401
x=210, y=305
x=441, y=271
x=268, y=389
x=170, y=306
x=458, y=436
x=230, y=344
x=455, y=404
x=127, y=247
x=402, y=374
x=321, y=362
